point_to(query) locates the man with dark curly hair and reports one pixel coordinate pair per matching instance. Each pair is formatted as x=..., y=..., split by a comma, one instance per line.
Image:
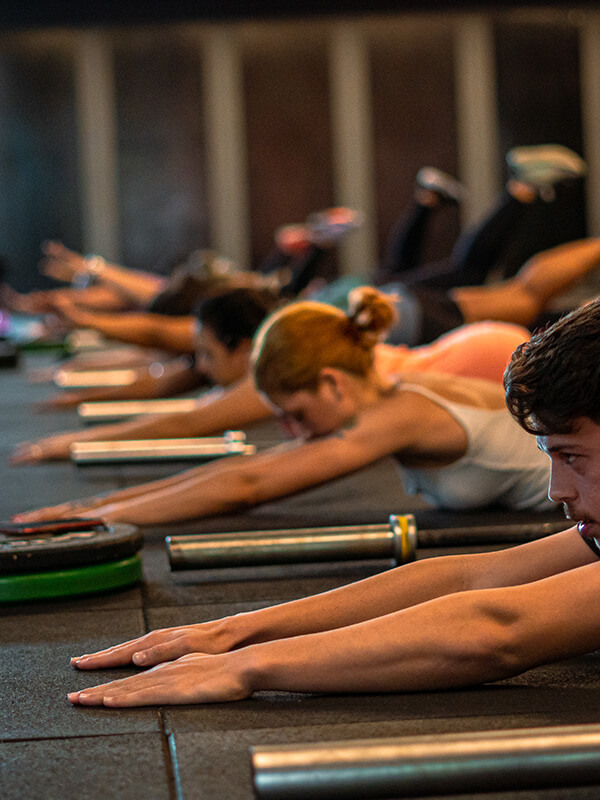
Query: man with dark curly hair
x=553, y=391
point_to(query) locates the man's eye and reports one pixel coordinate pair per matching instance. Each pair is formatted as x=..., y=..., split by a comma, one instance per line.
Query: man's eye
x=570, y=458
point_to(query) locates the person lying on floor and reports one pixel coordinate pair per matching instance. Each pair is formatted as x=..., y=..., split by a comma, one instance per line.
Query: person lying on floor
x=478, y=350
x=452, y=437
x=225, y=326
x=434, y=624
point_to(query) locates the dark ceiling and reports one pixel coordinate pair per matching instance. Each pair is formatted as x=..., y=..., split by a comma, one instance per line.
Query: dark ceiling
x=42, y=13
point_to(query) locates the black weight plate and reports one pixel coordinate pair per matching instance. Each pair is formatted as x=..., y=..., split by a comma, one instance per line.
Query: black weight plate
x=91, y=544
x=66, y=582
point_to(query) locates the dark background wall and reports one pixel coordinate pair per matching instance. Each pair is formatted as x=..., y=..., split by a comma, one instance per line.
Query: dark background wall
x=162, y=199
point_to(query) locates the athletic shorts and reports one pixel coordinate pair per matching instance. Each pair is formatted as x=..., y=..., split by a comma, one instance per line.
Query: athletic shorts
x=423, y=314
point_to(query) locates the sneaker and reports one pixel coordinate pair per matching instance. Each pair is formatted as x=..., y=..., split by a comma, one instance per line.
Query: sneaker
x=544, y=165
x=444, y=185
x=327, y=228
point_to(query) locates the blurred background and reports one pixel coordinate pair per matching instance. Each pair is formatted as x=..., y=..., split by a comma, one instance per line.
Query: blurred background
x=144, y=132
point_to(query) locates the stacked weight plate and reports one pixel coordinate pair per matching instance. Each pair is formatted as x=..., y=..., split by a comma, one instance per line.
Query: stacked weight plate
x=67, y=557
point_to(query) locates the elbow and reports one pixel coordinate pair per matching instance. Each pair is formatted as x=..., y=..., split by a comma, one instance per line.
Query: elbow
x=495, y=646
x=244, y=487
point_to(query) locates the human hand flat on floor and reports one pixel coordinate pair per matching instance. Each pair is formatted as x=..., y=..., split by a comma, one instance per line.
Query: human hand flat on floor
x=165, y=644
x=74, y=508
x=49, y=448
x=193, y=678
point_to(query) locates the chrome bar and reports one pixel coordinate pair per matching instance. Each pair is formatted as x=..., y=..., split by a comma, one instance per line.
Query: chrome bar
x=84, y=453
x=83, y=379
x=121, y=409
x=418, y=766
x=398, y=540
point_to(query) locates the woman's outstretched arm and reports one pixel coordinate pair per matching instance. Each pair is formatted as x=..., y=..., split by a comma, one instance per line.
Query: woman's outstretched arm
x=154, y=380
x=216, y=411
x=137, y=286
x=394, y=425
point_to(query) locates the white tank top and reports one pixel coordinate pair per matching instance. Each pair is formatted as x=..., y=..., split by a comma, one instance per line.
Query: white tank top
x=502, y=464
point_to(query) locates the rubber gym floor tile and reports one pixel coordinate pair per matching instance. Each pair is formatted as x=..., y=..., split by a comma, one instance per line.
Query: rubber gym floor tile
x=565, y=693
x=36, y=485
x=36, y=674
x=193, y=587
x=126, y=767
x=199, y=752
x=271, y=709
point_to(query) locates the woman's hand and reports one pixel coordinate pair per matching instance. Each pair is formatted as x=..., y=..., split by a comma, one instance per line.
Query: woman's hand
x=165, y=644
x=61, y=263
x=193, y=678
x=90, y=508
x=71, y=314
x=50, y=448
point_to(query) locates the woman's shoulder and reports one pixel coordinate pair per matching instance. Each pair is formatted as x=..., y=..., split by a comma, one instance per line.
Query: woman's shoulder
x=477, y=392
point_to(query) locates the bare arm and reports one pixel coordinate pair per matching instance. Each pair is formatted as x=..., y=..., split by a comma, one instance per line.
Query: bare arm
x=467, y=633
x=244, y=481
x=174, y=334
x=132, y=285
x=44, y=301
x=217, y=411
x=150, y=383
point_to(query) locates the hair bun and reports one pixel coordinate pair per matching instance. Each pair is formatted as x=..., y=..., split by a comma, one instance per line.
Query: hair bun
x=370, y=314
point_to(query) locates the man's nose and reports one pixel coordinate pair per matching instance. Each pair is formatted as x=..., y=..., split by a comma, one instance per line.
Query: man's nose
x=561, y=488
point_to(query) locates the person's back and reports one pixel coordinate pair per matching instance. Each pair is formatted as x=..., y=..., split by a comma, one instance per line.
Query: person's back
x=478, y=350
x=502, y=463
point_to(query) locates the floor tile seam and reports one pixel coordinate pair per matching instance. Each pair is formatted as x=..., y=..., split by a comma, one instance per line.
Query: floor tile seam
x=71, y=737
x=170, y=756
x=55, y=611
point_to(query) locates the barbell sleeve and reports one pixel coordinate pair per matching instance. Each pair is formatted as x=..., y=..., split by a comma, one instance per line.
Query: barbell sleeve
x=297, y=545
x=198, y=448
x=111, y=410
x=419, y=766
x=397, y=540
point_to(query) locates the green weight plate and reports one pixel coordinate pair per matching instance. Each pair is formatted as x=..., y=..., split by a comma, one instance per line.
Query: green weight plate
x=67, y=582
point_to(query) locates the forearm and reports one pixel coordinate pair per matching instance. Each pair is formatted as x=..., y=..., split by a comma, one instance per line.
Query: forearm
x=217, y=412
x=96, y=505
x=131, y=327
x=376, y=596
x=92, y=298
x=231, y=408
x=194, y=494
x=409, y=585
x=468, y=638
x=436, y=645
x=140, y=286
x=210, y=417
x=58, y=446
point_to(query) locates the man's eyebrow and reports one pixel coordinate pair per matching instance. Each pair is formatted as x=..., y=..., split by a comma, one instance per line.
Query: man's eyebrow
x=543, y=446
x=556, y=448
